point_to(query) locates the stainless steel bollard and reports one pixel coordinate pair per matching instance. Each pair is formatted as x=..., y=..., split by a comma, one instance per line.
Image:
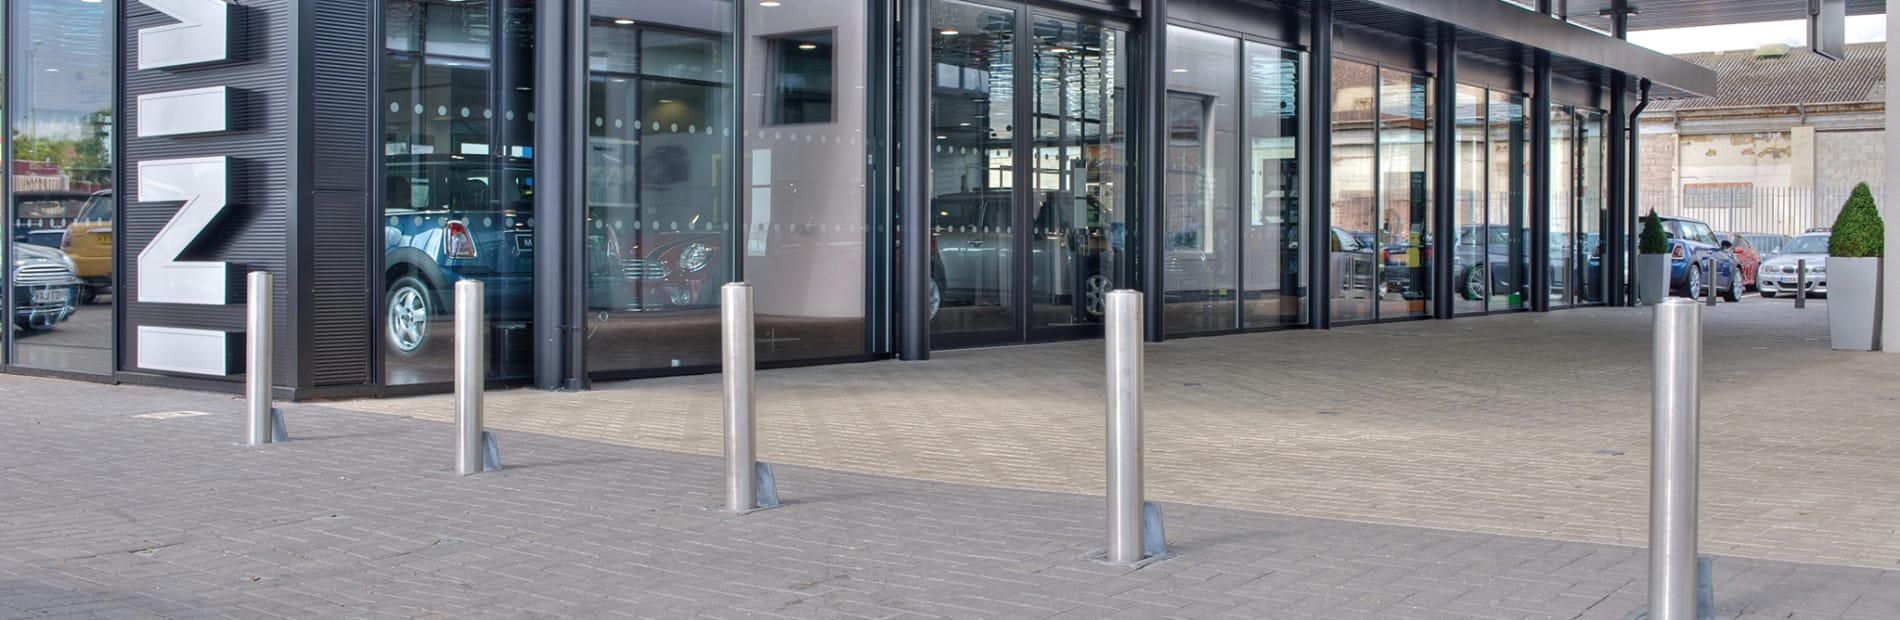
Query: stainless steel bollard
x=470, y=352
x=1123, y=334
x=257, y=346
x=1801, y=283
x=1675, y=434
x=736, y=347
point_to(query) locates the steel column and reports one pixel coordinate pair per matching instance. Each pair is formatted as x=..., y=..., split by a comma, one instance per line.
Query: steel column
x=551, y=200
x=1150, y=135
x=1676, y=409
x=1445, y=174
x=736, y=346
x=1123, y=335
x=1540, y=206
x=914, y=183
x=1319, y=137
x=258, y=345
x=575, y=95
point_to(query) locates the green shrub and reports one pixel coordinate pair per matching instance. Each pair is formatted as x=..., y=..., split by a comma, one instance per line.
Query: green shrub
x=1653, y=240
x=1858, y=232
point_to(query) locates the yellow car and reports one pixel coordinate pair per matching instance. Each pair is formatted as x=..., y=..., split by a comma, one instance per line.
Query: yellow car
x=88, y=242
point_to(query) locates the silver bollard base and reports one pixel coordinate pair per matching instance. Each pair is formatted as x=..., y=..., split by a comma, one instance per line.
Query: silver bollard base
x=491, y=454
x=1704, y=593
x=277, y=432
x=765, y=491
x=1154, y=540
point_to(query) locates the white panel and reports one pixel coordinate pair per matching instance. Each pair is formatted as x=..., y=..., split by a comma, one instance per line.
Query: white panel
x=195, y=351
x=202, y=34
x=199, y=110
x=203, y=184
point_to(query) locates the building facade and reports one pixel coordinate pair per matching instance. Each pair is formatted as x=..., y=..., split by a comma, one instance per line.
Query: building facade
x=892, y=179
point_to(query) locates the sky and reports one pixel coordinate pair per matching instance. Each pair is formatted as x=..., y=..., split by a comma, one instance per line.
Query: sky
x=1860, y=28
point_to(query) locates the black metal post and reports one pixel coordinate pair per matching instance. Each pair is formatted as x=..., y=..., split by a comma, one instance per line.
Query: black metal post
x=1615, y=272
x=1149, y=135
x=914, y=184
x=1319, y=135
x=1445, y=171
x=551, y=200
x=1540, y=186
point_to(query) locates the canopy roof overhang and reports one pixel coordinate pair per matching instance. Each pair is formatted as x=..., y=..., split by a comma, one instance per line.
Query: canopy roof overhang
x=1661, y=14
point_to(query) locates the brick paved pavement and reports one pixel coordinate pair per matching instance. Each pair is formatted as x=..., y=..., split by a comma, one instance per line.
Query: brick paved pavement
x=1524, y=424
x=103, y=514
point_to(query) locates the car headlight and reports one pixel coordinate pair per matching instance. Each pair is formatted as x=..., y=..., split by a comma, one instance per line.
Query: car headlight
x=695, y=258
x=1818, y=269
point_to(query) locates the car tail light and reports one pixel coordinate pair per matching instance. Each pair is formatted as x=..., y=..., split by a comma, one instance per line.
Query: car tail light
x=459, y=244
x=1676, y=252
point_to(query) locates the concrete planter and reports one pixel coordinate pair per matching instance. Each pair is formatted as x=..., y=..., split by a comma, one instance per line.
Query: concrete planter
x=1652, y=278
x=1853, y=294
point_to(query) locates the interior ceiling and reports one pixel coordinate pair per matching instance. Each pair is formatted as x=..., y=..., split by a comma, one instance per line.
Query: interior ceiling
x=1660, y=14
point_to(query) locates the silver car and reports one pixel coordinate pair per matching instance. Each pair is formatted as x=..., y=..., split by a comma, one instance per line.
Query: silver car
x=1777, y=274
x=44, y=287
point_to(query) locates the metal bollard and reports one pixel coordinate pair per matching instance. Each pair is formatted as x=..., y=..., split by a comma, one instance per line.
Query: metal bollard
x=1801, y=283
x=263, y=423
x=475, y=450
x=1134, y=525
x=1709, y=269
x=1676, y=408
x=749, y=483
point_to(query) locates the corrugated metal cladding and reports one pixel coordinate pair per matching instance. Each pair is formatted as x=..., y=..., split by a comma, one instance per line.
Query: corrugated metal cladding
x=254, y=233
x=338, y=199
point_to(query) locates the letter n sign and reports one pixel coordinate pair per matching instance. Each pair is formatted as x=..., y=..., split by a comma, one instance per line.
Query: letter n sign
x=202, y=184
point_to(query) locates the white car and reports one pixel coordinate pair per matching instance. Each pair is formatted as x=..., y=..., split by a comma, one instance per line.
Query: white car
x=1777, y=274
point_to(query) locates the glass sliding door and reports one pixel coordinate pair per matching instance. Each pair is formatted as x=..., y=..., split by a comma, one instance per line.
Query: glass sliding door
x=1352, y=242
x=1507, y=186
x=61, y=212
x=1472, y=264
x=1078, y=171
x=972, y=167
x=1563, y=179
x=1201, y=249
x=1273, y=286
x=1405, y=222
x=1592, y=212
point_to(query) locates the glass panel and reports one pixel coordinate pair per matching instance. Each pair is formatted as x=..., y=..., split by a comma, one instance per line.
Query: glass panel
x=61, y=211
x=972, y=166
x=1405, y=227
x=1274, y=290
x=1592, y=212
x=1563, y=177
x=1353, y=247
x=1200, y=233
x=1472, y=268
x=458, y=190
x=1078, y=171
x=660, y=213
x=1507, y=241
x=805, y=198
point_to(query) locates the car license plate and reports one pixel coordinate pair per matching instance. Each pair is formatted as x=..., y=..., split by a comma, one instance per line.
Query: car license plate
x=51, y=296
x=102, y=238
x=524, y=243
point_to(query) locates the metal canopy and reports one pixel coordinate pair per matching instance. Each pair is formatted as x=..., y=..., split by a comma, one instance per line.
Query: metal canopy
x=1660, y=14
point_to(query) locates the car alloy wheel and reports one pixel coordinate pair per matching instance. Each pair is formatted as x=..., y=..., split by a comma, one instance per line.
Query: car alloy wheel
x=1477, y=280
x=1096, y=290
x=1695, y=282
x=1734, y=293
x=935, y=298
x=407, y=321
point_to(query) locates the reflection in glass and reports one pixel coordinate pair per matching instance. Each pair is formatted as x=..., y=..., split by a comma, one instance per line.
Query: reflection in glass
x=1274, y=289
x=61, y=209
x=1592, y=213
x=1078, y=171
x=804, y=204
x=1405, y=222
x=1471, y=253
x=660, y=220
x=1353, y=247
x=1563, y=178
x=1199, y=229
x=458, y=185
x=972, y=165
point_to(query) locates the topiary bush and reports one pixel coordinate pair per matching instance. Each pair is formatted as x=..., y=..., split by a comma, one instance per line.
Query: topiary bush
x=1858, y=232
x=1653, y=240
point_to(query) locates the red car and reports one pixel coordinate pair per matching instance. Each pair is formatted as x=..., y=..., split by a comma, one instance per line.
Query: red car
x=1746, y=256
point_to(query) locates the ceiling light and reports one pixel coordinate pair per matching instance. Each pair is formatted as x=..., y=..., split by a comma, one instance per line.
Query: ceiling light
x=1180, y=70
x=1058, y=50
x=624, y=21
x=769, y=3
x=949, y=32
x=808, y=46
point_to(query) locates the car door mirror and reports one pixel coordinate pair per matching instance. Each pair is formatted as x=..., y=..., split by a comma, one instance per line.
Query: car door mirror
x=1726, y=245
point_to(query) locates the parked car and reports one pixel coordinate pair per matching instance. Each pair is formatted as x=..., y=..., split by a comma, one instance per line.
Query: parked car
x=1778, y=275
x=972, y=237
x=1354, y=267
x=1690, y=243
x=40, y=216
x=43, y=287
x=1768, y=244
x=1475, y=279
x=88, y=242
x=1746, y=256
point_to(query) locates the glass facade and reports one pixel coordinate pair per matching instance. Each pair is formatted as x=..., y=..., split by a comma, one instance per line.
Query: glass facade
x=752, y=141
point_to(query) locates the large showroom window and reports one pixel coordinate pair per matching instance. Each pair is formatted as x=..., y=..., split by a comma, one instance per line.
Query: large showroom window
x=62, y=207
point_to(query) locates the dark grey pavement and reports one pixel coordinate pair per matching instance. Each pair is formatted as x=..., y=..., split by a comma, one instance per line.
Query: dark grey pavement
x=105, y=514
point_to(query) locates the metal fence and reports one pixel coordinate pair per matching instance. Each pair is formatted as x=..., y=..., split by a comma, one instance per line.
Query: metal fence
x=1748, y=209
